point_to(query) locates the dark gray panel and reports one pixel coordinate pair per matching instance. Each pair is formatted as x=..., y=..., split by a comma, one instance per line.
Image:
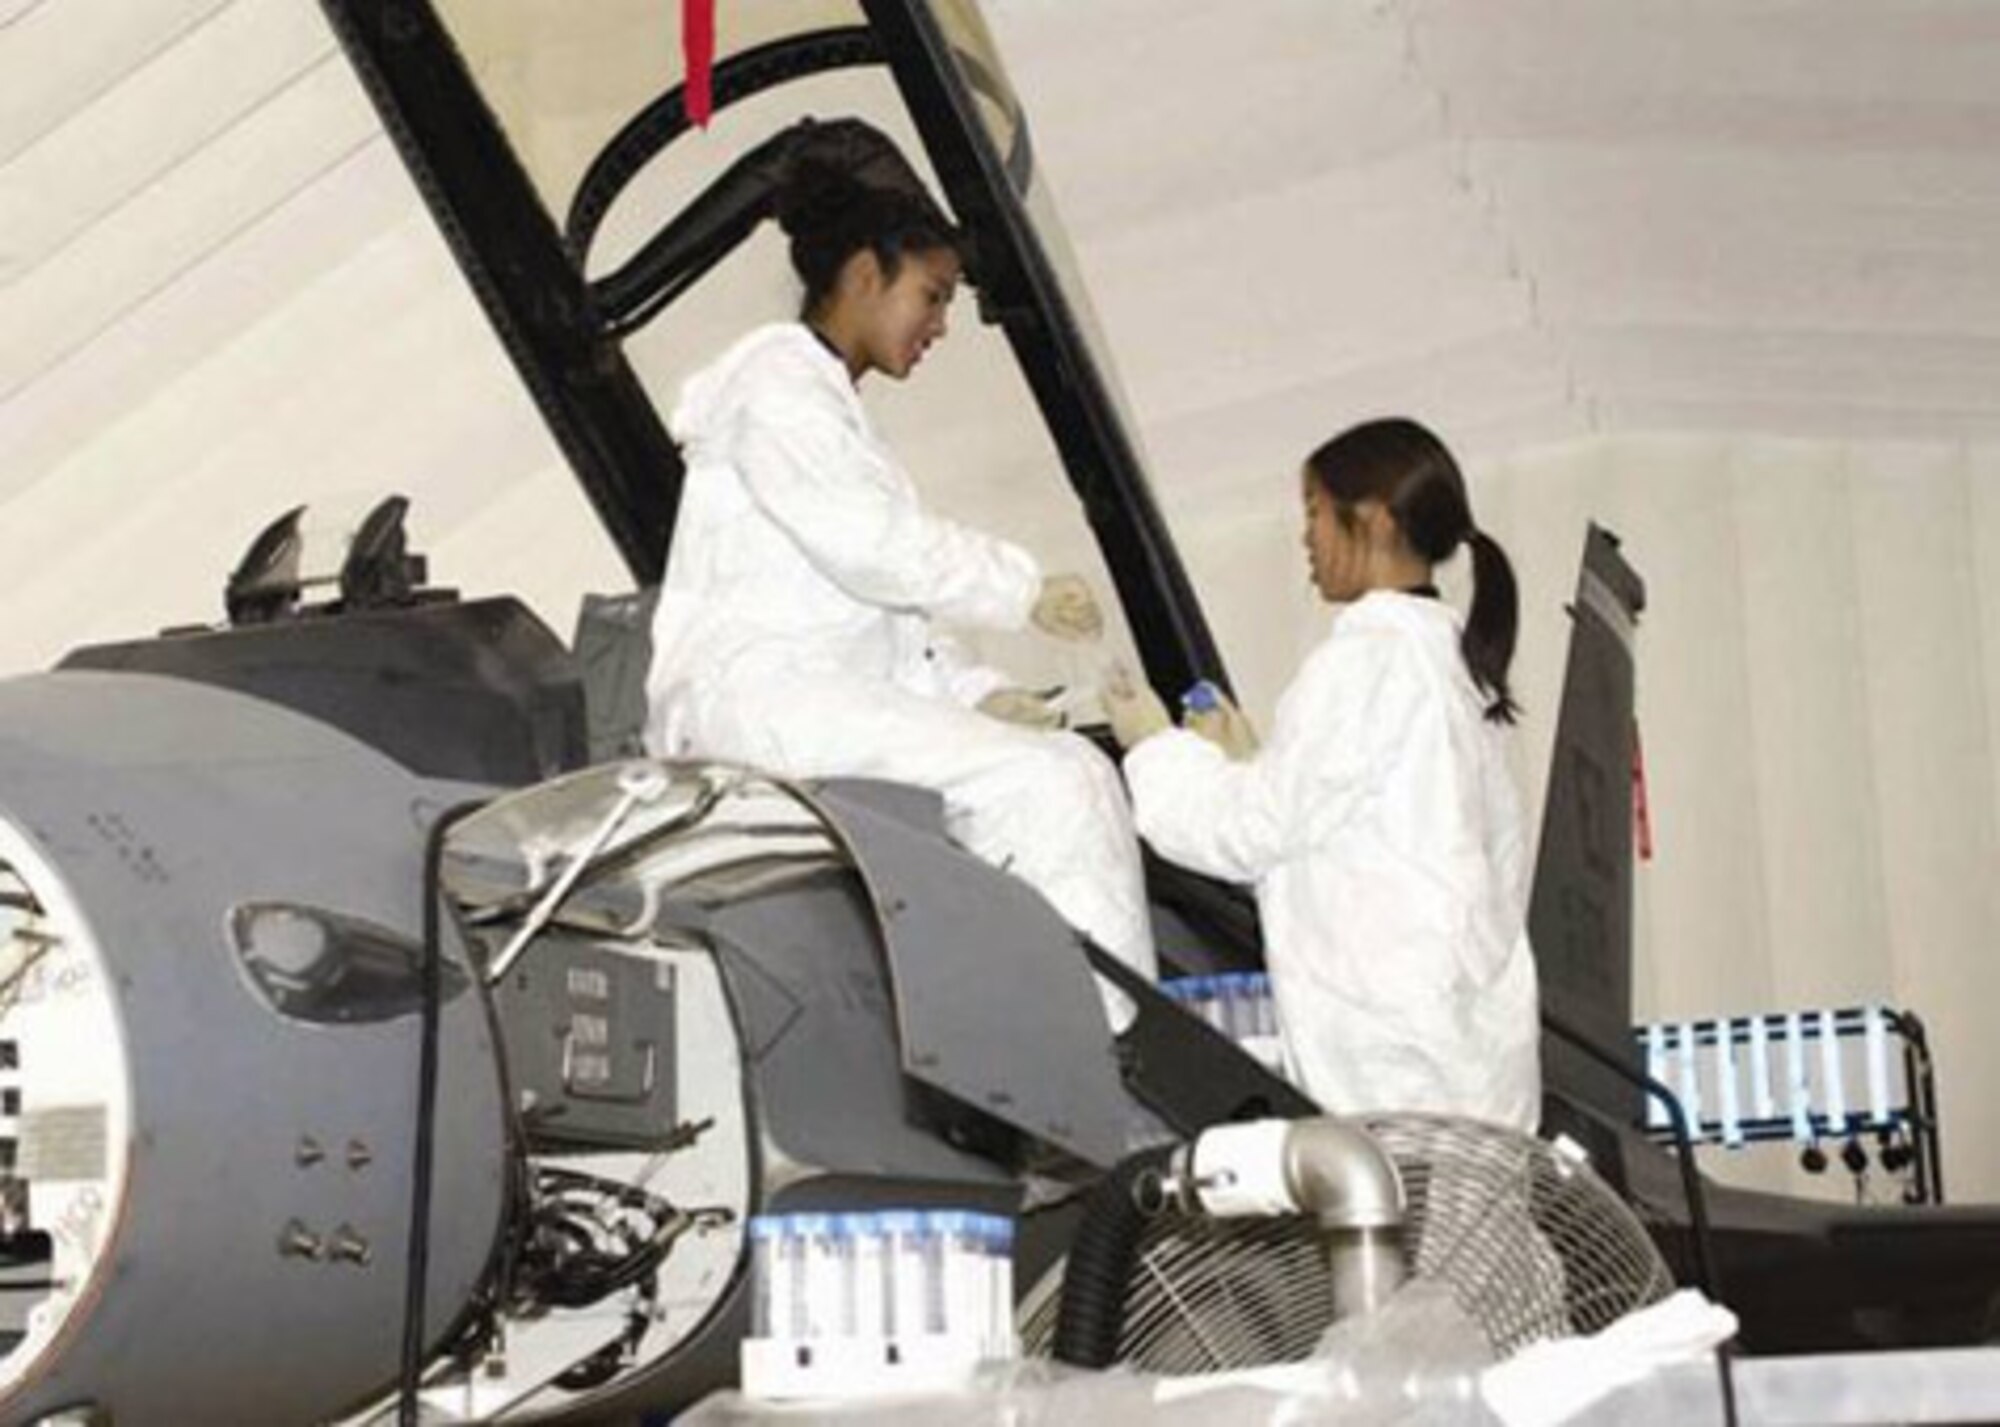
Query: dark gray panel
x=807, y=984
x=590, y=1045
x=480, y=690
x=614, y=650
x=994, y=1003
x=1580, y=910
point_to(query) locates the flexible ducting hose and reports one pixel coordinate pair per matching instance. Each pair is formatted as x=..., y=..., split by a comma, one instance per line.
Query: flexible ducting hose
x=1329, y=1168
x=1091, y=1318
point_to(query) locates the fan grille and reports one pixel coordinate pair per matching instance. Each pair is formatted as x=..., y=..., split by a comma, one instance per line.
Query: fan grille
x=1530, y=1244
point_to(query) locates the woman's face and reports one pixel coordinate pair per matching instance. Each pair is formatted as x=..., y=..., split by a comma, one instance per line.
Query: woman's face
x=898, y=319
x=1345, y=554
x=1337, y=552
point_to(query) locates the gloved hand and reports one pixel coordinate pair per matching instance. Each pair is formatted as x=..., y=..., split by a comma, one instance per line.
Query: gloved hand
x=1209, y=713
x=1022, y=706
x=1066, y=609
x=1132, y=708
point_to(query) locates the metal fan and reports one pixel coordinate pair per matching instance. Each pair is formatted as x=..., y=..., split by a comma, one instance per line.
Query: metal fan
x=1531, y=1243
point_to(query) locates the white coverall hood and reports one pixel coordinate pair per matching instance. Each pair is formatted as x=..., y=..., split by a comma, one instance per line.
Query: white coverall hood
x=1383, y=834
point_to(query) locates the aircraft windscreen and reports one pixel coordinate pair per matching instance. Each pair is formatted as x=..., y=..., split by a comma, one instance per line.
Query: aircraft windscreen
x=563, y=78
x=998, y=111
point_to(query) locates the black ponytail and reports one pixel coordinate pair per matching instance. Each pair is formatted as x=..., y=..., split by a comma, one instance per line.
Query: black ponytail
x=1403, y=466
x=1492, y=625
x=846, y=188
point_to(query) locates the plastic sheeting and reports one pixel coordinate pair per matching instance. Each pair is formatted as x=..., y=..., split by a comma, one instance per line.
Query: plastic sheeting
x=1420, y=1362
x=1415, y=1364
x=1831, y=1390
x=1823, y=1390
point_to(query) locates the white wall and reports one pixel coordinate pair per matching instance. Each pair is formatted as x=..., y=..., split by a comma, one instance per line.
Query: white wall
x=1817, y=700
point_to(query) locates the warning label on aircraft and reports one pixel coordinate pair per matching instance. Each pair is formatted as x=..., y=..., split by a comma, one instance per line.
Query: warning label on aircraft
x=63, y=1142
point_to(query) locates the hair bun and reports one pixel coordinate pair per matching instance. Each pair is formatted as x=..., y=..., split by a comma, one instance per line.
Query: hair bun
x=844, y=186
x=836, y=166
x=815, y=196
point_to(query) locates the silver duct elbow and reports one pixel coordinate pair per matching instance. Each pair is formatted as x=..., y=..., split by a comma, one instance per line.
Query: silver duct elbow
x=1337, y=1172
x=1329, y=1168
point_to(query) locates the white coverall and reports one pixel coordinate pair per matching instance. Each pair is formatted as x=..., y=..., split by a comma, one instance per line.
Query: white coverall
x=794, y=633
x=1383, y=835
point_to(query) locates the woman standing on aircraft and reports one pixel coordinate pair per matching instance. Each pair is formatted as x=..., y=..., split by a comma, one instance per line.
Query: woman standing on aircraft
x=1379, y=825
x=795, y=629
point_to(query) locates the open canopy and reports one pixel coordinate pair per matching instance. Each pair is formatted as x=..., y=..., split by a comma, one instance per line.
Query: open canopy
x=564, y=217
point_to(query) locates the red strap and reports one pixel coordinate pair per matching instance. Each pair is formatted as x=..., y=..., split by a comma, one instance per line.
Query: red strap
x=698, y=51
x=1642, y=815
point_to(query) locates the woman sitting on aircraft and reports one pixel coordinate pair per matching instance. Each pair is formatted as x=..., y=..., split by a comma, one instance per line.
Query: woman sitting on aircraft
x=795, y=629
x=1379, y=825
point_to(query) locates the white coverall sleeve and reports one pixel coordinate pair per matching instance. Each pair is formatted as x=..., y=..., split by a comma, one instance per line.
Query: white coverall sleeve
x=959, y=677
x=1201, y=810
x=853, y=515
x=1239, y=820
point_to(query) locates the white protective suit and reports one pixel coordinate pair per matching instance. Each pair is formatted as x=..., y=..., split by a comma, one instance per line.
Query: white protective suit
x=1384, y=838
x=794, y=633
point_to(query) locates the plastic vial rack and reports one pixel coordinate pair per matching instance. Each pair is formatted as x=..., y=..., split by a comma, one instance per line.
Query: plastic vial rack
x=850, y=1305
x=1799, y=1076
x=1239, y=1005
